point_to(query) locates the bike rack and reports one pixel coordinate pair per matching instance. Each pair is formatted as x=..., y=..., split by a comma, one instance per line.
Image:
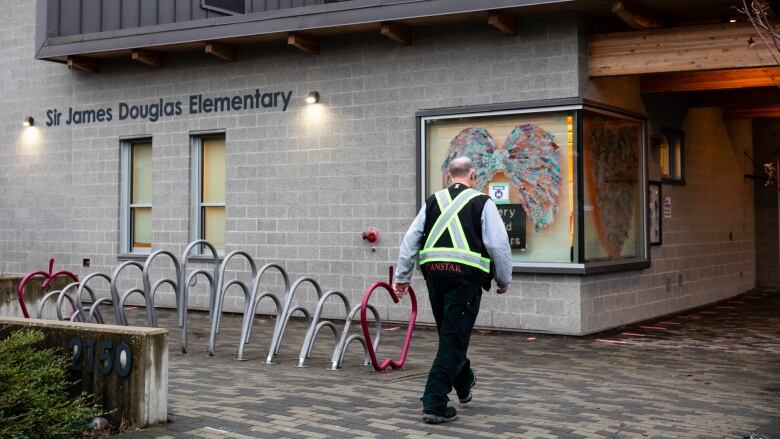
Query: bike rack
x=346, y=339
x=218, y=288
x=222, y=289
x=191, y=280
x=287, y=312
x=77, y=313
x=115, y=297
x=56, y=293
x=150, y=290
x=254, y=299
x=93, y=310
x=388, y=362
x=48, y=277
x=316, y=325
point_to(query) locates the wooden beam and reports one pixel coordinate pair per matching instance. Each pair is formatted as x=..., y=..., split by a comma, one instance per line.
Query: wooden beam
x=397, y=32
x=83, y=64
x=149, y=58
x=634, y=17
x=505, y=22
x=708, y=47
x=710, y=80
x=228, y=52
x=763, y=111
x=310, y=45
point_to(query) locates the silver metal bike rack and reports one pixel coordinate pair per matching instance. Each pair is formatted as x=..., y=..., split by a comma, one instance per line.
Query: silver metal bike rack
x=94, y=312
x=254, y=300
x=150, y=290
x=287, y=311
x=316, y=325
x=56, y=293
x=190, y=280
x=222, y=288
x=78, y=309
x=218, y=288
x=113, y=300
x=346, y=339
x=119, y=311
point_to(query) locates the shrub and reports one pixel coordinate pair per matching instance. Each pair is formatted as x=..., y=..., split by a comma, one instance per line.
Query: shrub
x=34, y=398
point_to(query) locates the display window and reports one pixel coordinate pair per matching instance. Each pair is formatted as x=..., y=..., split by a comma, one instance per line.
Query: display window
x=567, y=180
x=613, y=187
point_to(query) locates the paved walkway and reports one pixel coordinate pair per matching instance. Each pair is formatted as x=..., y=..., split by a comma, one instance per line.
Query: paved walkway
x=713, y=373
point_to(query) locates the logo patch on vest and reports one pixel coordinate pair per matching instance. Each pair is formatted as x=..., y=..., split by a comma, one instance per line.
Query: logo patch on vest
x=442, y=267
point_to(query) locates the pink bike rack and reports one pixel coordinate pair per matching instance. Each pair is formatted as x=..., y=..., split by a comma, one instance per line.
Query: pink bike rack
x=47, y=279
x=388, y=362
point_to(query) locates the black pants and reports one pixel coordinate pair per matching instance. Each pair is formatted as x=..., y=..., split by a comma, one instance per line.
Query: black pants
x=455, y=304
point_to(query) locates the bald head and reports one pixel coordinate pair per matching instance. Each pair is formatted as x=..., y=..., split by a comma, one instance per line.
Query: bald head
x=460, y=167
x=461, y=170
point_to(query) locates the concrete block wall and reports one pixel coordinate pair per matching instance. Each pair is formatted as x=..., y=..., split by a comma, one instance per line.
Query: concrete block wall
x=300, y=186
x=708, y=251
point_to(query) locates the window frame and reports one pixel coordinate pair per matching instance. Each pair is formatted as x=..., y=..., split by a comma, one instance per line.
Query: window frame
x=196, y=188
x=579, y=106
x=125, y=203
x=679, y=135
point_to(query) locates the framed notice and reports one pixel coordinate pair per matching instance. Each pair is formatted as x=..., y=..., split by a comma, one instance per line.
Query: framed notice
x=514, y=221
x=654, y=212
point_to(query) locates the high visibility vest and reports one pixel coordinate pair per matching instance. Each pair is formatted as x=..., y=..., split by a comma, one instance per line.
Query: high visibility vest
x=449, y=222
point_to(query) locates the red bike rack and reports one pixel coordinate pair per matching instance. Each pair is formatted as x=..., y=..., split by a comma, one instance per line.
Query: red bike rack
x=47, y=279
x=388, y=362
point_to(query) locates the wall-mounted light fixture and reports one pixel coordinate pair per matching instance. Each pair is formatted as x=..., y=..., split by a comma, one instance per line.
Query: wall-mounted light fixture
x=313, y=97
x=28, y=121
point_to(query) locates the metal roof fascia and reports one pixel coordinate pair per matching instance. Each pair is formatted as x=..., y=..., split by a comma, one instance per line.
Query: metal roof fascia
x=247, y=25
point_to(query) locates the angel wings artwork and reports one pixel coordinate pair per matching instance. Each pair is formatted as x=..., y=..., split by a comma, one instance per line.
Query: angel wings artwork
x=529, y=157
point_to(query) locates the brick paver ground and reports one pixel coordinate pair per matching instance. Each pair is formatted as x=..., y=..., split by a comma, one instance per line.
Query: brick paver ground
x=711, y=373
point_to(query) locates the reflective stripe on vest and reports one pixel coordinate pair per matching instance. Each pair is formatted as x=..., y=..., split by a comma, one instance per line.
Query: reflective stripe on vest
x=449, y=221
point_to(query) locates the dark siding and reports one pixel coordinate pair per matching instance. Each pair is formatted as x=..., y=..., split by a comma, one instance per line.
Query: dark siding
x=183, y=10
x=148, y=12
x=91, y=16
x=112, y=14
x=166, y=11
x=74, y=17
x=70, y=17
x=131, y=10
x=197, y=11
x=53, y=18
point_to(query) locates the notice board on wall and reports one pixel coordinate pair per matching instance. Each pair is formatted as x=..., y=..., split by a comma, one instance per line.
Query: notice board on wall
x=514, y=221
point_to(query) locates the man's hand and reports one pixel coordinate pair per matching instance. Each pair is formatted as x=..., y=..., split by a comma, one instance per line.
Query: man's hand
x=500, y=290
x=400, y=290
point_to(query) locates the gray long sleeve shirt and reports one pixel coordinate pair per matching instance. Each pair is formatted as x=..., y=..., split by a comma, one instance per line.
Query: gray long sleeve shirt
x=494, y=238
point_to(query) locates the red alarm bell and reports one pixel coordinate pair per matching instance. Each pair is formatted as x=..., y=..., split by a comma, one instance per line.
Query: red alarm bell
x=371, y=235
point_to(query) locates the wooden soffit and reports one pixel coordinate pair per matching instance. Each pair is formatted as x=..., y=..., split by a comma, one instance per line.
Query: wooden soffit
x=711, y=80
x=679, y=49
x=761, y=111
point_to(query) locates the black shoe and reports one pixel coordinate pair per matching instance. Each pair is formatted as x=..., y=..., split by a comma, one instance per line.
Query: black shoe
x=449, y=415
x=468, y=397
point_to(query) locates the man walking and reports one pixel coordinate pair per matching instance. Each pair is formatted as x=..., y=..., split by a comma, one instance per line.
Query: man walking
x=462, y=243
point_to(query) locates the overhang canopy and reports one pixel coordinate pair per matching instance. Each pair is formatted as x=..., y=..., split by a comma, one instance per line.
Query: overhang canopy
x=60, y=34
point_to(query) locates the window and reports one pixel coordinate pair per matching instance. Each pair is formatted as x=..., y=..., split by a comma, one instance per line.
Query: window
x=208, y=217
x=671, y=150
x=567, y=180
x=136, y=197
x=614, y=187
x=525, y=162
